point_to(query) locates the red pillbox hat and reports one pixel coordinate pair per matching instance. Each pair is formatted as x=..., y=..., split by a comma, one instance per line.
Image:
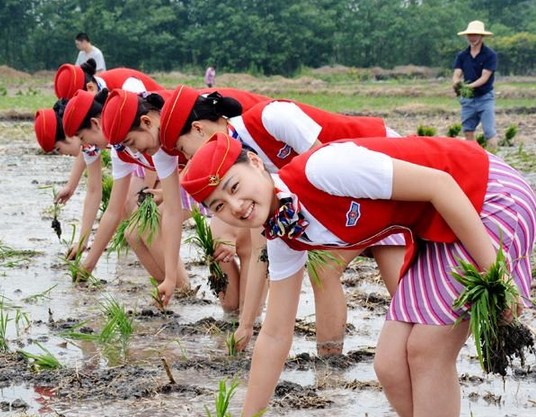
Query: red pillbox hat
x=45, y=126
x=76, y=111
x=68, y=80
x=174, y=114
x=209, y=164
x=118, y=115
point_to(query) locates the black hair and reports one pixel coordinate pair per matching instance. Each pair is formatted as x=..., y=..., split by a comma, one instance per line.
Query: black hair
x=212, y=107
x=147, y=102
x=82, y=36
x=96, y=108
x=90, y=69
x=59, y=109
x=243, y=155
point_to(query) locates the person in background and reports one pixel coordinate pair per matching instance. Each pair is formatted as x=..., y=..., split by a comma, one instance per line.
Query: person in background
x=210, y=76
x=87, y=50
x=475, y=68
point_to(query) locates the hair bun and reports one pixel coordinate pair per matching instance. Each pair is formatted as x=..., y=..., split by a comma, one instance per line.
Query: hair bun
x=101, y=96
x=90, y=67
x=155, y=100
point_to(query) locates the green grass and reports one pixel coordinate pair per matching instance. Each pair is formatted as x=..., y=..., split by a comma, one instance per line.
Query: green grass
x=10, y=257
x=44, y=361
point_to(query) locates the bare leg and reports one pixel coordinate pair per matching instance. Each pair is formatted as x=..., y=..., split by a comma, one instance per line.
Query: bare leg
x=330, y=304
x=391, y=366
x=389, y=260
x=469, y=135
x=434, y=377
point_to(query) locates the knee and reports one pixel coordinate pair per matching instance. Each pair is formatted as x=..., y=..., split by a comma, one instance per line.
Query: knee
x=390, y=369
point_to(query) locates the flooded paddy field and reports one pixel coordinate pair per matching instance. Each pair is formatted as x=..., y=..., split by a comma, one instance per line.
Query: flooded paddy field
x=174, y=360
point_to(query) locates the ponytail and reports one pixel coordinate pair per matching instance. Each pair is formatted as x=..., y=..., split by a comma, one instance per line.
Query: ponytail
x=212, y=107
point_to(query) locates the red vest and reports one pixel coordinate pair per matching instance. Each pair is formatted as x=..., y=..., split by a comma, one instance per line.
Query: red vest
x=246, y=98
x=362, y=222
x=115, y=78
x=334, y=127
x=126, y=156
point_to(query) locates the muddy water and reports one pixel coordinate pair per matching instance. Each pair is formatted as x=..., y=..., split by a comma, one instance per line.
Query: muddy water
x=191, y=336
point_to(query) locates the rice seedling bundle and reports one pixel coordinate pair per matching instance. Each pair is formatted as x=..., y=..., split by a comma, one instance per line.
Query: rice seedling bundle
x=204, y=240
x=488, y=295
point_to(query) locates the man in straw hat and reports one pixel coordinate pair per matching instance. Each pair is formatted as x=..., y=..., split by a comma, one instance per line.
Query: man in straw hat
x=475, y=68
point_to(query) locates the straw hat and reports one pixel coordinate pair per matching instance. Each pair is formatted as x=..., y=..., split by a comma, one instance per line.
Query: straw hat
x=476, y=27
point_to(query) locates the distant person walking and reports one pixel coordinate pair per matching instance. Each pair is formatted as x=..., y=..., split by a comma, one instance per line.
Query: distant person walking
x=474, y=74
x=87, y=50
x=210, y=76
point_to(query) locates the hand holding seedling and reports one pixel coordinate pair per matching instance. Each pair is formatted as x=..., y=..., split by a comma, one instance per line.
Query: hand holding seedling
x=165, y=291
x=158, y=195
x=74, y=251
x=224, y=252
x=243, y=335
x=64, y=195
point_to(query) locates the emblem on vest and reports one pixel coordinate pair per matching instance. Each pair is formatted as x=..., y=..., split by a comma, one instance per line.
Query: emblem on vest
x=119, y=147
x=353, y=214
x=284, y=152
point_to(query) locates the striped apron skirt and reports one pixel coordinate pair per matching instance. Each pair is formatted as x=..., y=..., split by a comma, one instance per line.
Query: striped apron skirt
x=426, y=292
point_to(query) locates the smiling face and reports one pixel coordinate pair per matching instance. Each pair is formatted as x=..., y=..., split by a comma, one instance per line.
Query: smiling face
x=245, y=196
x=93, y=135
x=145, y=138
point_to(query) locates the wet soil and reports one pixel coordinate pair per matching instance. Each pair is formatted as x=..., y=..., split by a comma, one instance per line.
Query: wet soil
x=175, y=359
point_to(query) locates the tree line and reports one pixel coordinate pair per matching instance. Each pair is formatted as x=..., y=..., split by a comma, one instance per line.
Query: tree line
x=263, y=37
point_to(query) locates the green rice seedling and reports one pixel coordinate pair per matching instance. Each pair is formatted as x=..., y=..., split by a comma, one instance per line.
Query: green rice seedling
x=41, y=362
x=423, y=130
x=488, y=295
x=4, y=320
x=10, y=257
x=509, y=135
x=73, y=333
x=119, y=242
x=56, y=225
x=203, y=240
x=155, y=295
x=466, y=91
x=481, y=140
x=44, y=295
x=231, y=342
x=223, y=398
x=320, y=259
x=22, y=320
x=454, y=130
x=146, y=219
x=107, y=184
x=106, y=159
x=118, y=325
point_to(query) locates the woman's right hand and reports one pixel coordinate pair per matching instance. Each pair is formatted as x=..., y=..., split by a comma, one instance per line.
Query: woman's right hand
x=242, y=336
x=64, y=195
x=73, y=251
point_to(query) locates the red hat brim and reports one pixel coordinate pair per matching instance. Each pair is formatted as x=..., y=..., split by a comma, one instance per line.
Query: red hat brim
x=76, y=111
x=174, y=114
x=68, y=80
x=209, y=164
x=45, y=127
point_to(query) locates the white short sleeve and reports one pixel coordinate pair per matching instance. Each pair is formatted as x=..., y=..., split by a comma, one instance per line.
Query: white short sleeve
x=289, y=124
x=346, y=169
x=164, y=163
x=90, y=154
x=134, y=85
x=282, y=260
x=120, y=169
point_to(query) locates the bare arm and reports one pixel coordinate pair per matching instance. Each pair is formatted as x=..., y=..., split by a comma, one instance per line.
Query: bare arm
x=109, y=221
x=91, y=206
x=482, y=80
x=77, y=169
x=440, y=189
x=171, y=233
x=273, y=344
x=257, y=275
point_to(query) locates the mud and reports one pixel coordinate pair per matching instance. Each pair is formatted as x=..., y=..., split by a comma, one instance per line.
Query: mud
x=175, y=359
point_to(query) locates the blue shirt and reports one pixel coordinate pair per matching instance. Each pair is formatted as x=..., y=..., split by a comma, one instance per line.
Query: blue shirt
x=472, y=67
